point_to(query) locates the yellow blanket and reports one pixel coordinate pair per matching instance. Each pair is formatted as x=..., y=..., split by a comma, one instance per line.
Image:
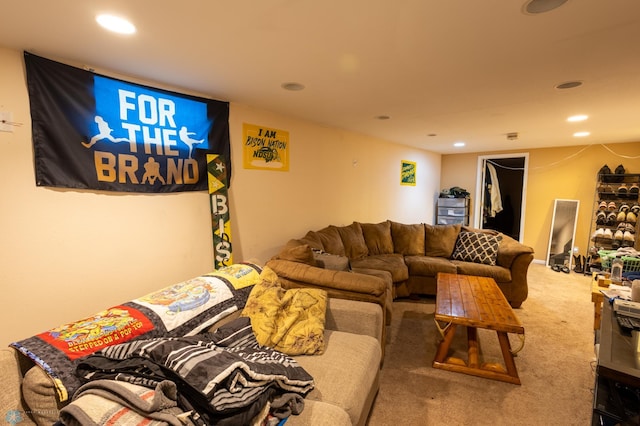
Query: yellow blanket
x=290, y=321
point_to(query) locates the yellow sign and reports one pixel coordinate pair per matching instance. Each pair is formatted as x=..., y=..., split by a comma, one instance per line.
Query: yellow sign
x=408, y=173
x=265, y=148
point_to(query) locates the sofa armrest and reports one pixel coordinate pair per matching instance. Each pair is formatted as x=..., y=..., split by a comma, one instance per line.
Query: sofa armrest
x=340, y=284
x=355, y=317
x=519, y=269
x=509, y=250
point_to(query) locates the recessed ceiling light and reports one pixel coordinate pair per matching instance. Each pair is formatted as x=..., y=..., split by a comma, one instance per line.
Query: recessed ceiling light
x=542, y=6
x=569, y=85
x=581, y=134
x=459, y=144
x=116, y=24
x=294, y=87
x=576, y=118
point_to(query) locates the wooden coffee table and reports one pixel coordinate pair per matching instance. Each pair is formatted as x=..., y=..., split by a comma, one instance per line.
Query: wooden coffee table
x=475, y=302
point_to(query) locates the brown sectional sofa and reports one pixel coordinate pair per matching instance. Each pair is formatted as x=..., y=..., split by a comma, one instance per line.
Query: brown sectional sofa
x=382, y=261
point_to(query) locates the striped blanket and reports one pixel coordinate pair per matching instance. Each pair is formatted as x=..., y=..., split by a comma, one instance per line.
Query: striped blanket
x=223, y=378
x=109, y=402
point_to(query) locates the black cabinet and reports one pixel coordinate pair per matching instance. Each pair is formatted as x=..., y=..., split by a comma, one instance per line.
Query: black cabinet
x=617, y=386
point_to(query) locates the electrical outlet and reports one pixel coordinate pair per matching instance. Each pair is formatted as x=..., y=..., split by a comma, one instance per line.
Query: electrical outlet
x=6, y=119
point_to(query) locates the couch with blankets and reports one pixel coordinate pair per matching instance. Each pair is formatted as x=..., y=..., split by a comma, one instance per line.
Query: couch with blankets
x=230, y=347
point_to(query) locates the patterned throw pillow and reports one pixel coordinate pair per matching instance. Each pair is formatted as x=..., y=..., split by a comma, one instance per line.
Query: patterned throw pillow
x=477, y=247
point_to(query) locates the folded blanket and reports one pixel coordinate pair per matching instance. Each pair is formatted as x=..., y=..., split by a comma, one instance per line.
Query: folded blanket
x=290, y=321
x=109, y=402
x=226, y=377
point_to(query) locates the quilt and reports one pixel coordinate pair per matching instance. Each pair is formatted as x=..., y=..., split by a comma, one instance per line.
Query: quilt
x=183, y=309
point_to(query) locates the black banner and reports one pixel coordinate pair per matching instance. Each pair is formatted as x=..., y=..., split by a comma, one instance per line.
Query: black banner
x=96, y=132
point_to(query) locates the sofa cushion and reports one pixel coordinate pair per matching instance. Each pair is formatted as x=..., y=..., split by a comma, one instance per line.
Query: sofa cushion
x=330, y=261
x=346, y=373
x=331, y=241
x=428, y=266
x=297, y=251
x=290, y=321
x=353, y=241
x=320, y=413
x=394, y=263
x=407, y=239
x=440, y=240
x=478, y=247
x=377, y=237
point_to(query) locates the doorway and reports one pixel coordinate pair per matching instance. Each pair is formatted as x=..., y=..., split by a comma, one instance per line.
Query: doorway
x=501, y=193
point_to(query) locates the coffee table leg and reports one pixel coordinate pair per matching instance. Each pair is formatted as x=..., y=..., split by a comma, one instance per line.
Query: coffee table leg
x=472, y=341
x=443, y=348
x=505, y=346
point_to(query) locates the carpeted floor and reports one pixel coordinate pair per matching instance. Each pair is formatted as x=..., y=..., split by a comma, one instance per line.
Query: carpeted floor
x=555, y=365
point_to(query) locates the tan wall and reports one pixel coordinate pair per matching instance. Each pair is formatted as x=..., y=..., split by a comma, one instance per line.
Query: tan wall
x=68, y=254
x=335, y=177
x=568, y=173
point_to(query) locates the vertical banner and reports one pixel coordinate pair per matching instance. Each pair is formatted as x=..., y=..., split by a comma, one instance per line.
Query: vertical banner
x=408, y=173
x=265, y=148
x=220, y=217
x=95, y=132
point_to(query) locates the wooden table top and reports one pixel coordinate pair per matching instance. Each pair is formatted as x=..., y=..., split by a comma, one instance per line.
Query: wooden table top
x=474, y=302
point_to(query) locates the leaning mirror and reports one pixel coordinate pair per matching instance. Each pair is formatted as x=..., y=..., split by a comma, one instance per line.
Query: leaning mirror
x=563, y=232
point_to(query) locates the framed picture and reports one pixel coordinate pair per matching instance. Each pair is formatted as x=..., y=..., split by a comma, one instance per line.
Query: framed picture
x=407, y=173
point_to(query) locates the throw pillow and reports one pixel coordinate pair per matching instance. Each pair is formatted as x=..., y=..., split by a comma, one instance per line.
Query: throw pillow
x=408, y=239
x=331, y=241
x=290, y=321
x=353, y=241
x=377, y=236
x=313, y=240
x=440, y=240
x=477, y=247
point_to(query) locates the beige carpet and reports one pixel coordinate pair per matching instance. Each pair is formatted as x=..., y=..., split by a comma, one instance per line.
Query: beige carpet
x=555, y=366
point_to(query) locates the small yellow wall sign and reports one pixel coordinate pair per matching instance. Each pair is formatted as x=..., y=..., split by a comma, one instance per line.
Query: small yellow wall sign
x=265, y=148
x=407, y=173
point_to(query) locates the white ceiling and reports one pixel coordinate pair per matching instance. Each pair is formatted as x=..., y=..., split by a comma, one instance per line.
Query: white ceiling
x=458, y=70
